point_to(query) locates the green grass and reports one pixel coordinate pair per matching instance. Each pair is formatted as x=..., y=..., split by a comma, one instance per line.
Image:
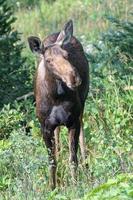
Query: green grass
x=108, y=131
x=88, y=17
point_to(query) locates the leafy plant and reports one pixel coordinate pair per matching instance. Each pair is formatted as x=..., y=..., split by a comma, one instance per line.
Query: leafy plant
x=120, y=187
x=9, y=121
x=15, y=117
x=113, y=53
x=13, y=74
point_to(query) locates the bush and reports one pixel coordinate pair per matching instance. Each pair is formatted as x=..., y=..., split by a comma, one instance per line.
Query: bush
x=113, y=53
x=120, y=187
x=9, y=121
x=13, y=72
x=108, y=128
x=15, y=117
x=23, y=168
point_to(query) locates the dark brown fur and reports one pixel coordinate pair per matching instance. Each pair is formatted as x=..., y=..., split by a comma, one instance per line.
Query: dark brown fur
x=57, y=104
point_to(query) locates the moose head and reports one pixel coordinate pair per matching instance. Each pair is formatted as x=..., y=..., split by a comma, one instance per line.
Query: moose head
x=55, y=58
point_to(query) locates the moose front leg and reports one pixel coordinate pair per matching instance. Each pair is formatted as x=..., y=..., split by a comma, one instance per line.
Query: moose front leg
x=48, y=136
x=73, y=148
x=57, y=141
x=82, y=140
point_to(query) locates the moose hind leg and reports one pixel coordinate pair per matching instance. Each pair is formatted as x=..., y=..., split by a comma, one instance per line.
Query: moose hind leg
x=48, y=136
x=73, y=148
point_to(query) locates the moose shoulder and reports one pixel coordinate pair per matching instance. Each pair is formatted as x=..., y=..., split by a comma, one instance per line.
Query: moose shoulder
x=61, y=88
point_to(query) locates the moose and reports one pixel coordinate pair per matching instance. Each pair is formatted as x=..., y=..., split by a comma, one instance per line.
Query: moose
x=61, y=88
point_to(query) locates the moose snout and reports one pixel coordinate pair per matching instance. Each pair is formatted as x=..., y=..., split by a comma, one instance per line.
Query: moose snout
x=75, y=81
x=78, y=81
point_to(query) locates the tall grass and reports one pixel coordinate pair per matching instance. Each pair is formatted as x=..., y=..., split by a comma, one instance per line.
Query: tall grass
x=88, y=16
x=108, y=130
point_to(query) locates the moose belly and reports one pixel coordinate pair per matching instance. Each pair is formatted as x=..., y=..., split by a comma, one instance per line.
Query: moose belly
x=60, y=115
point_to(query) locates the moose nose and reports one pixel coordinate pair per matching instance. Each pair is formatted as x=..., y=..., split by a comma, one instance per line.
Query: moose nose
x=78, y=81
x=75, y=81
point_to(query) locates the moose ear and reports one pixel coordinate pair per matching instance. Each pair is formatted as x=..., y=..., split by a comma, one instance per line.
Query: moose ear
x=35, y=44
x=65, y=35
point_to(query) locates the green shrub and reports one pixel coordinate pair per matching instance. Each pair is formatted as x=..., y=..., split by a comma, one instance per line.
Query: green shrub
x=9, y=120
x=119, y=188
x=13, y=71
x=15, y=117
x=113, y=53
x=23, y=163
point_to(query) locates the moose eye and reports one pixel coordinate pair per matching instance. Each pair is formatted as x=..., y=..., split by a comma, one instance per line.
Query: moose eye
x=48, y=60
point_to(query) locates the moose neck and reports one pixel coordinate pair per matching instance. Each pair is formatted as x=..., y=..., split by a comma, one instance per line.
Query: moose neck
x=46, y=83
